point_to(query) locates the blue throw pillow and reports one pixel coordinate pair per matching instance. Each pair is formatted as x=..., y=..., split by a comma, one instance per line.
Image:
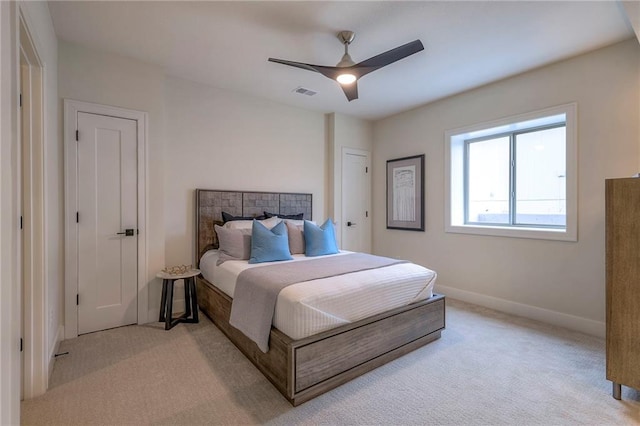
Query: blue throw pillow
x=269, y=245
x=320, y=240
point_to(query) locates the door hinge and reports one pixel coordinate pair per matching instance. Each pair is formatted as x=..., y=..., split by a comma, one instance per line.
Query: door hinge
x=77, y=217
x=366, y=214
x=77, y=135
x=366, y=170
x=21, y=345
x=20, y=100
x=77, y=299
x=20, y=222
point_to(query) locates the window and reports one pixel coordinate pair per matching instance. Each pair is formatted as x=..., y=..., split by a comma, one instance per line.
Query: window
x=514, y=177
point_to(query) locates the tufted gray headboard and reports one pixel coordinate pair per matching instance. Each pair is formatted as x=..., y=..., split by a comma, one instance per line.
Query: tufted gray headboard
x=211, y=203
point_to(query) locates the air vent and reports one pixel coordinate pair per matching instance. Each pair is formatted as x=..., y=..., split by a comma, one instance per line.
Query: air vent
x=304, y=91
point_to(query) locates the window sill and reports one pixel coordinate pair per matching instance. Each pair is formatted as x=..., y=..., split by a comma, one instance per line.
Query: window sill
x=512, y=232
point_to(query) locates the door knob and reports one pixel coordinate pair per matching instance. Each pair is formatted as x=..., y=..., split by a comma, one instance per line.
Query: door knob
x=126, y=233
x=351, y=224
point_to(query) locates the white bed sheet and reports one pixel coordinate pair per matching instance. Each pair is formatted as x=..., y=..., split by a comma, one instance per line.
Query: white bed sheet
x=311, y=307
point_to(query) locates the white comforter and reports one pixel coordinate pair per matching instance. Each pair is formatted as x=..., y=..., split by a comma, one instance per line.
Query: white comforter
x=311, y=307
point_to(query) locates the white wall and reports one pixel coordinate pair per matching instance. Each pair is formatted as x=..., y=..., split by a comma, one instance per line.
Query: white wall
x=558, y=282
x=632, y=11
x=93, y=76
x=217, y=139
x=344, y=131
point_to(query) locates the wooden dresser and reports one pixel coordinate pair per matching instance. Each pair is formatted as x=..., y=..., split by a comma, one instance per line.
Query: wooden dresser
x=623, y=282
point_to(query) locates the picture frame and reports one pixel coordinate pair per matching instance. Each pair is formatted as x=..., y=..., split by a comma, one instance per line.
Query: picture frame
x=405, y=193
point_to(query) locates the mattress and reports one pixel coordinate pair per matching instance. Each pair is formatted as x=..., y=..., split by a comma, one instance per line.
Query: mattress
x=310, y=307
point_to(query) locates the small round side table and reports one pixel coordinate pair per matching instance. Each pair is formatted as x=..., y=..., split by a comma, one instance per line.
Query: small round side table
x=190, y=299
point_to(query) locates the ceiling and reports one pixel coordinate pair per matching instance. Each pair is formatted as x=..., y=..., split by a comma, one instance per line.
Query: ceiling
x=226, y=44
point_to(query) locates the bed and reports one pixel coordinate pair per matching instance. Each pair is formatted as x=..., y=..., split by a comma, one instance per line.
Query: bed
x=305, y=361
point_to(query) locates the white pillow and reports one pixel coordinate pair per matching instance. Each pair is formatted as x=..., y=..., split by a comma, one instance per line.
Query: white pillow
x=296, y=236
x=235, y=244
x=248, y=224
x=298, y=222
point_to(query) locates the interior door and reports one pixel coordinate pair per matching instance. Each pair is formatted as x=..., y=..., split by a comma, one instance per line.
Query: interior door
x=107, y=222
x=355, y=202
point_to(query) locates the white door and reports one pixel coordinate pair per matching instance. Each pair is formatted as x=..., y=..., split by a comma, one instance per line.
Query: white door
x=107, y=207
x=356, y=196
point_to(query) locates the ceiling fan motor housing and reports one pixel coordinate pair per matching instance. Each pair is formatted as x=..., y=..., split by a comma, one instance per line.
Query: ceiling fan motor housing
x=346, y=37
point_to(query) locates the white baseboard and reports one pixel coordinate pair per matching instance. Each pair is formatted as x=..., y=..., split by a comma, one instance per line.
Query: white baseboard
x=54, y=350
x=584, y=325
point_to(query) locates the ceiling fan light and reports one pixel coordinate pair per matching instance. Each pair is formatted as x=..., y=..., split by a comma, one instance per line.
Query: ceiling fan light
x=346, y=78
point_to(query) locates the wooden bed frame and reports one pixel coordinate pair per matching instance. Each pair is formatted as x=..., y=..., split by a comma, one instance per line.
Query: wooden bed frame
x=305, y=368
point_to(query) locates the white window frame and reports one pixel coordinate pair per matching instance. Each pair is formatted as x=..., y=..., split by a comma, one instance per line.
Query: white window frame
x=454, y=174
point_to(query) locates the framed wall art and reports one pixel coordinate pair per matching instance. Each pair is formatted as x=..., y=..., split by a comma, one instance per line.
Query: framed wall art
x=405, y=193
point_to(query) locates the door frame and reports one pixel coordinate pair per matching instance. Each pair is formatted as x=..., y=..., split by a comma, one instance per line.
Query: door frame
x=71, y=110
x=343, y=183
x=31, y=207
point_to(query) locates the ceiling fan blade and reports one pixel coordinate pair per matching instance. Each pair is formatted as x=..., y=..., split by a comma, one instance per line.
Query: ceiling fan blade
x=331, y=72
x=307, y=67
x=350, y=90
x=388, y=57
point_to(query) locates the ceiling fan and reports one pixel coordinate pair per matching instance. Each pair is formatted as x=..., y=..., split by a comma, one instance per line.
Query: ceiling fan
x=347, y=72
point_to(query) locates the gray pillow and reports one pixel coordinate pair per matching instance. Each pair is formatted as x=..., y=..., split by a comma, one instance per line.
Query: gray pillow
x=235, y=244
x=296, y=237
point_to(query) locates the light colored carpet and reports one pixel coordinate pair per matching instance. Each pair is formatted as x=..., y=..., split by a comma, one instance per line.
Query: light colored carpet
x=488, y=368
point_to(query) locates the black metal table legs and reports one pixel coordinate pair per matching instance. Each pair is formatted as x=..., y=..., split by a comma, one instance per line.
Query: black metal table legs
x=190, y=300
